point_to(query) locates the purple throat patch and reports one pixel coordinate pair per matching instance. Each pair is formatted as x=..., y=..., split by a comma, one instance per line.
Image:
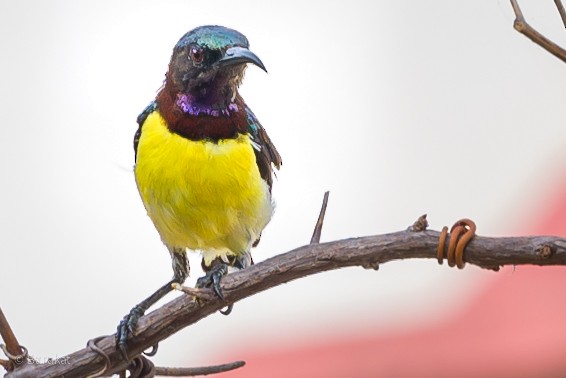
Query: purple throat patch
x=185, y=103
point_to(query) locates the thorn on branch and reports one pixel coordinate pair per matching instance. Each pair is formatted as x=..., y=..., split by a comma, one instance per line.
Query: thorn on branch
x=420, y=224
x=315, y=239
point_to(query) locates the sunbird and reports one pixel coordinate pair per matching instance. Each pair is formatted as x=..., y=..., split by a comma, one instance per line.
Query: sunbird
x=204, y=165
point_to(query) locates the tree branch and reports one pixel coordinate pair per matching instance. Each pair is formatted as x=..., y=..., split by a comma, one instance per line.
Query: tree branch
x=561, y=11
x=367, y=252
x=12, y=348
x=524, y=28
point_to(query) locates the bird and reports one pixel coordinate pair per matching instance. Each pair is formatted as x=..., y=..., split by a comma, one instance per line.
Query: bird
x=204, y=165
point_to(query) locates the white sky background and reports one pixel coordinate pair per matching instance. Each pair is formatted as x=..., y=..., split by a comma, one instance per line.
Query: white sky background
x=398, y=108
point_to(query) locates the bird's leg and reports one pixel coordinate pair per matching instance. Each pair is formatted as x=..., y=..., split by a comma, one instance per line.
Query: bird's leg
x=128, y=323
x=218, y=269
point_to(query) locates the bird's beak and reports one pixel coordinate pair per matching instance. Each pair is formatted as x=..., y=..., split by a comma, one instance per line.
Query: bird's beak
x=238, y=55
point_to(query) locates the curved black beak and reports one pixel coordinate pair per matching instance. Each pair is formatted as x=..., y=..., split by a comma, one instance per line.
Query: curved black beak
x=238, y=55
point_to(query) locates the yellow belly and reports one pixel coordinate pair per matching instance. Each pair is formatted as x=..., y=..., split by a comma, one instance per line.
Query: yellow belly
x=201, y=195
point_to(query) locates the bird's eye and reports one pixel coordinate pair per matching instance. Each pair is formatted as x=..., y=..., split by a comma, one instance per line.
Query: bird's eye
x=197, y=55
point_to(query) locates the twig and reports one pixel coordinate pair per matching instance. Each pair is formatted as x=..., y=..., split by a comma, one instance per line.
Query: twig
x=7, y=365
x=524, y=28
x=517, y=10
x=193, y=371
x=12, y=345
x=367, y=252
x=142, y=367
x=561, y=10
x=197, y=293
x=315, y=239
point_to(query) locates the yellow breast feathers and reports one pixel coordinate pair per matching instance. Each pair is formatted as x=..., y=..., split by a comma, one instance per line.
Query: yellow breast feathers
x=201, y=195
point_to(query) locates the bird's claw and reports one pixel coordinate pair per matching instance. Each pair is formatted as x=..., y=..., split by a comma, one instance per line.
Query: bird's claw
x=126, y=328
x=228, y=310
x=213, y=277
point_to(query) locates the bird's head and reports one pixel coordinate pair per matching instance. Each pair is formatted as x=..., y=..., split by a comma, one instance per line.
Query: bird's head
x=206, y=68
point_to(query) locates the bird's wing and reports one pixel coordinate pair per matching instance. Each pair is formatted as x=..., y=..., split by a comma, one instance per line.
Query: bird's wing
x=141, y=119
x=266, y=154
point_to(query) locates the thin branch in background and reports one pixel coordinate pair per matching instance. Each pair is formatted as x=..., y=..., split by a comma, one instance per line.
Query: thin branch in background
x=524, y=28
x=561, y=10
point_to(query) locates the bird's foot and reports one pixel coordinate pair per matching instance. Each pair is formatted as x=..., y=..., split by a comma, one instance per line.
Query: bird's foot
x=213, y=277
x=126, y=328
x=128, y=323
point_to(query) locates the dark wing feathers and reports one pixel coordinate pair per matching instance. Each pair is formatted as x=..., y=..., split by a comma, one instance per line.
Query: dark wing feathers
x=141, y=119
x=266, y=154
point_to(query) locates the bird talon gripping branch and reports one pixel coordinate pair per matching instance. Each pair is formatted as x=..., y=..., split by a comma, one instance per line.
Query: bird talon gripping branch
x=212, y=279
x=204, y=163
